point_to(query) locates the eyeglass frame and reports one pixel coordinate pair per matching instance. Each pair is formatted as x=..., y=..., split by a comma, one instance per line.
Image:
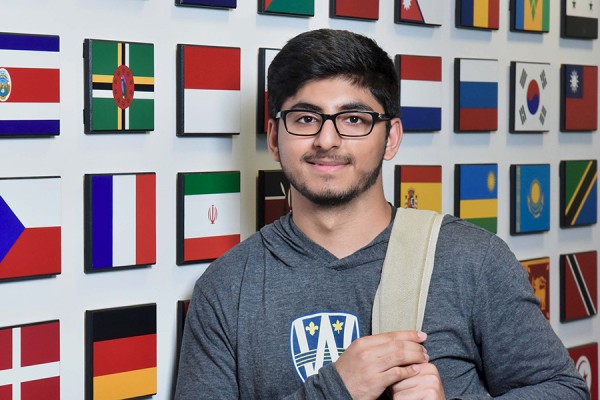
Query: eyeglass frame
x=377, y=117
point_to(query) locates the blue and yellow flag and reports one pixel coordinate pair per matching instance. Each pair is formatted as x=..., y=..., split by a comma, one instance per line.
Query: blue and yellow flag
x=530, y=193
x=531, y=15
x=477, y=194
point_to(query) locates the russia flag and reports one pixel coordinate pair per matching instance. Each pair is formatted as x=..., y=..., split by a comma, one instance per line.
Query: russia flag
x=477, y=95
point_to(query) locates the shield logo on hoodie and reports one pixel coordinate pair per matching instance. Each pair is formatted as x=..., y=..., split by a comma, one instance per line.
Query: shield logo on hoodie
x=319, y=339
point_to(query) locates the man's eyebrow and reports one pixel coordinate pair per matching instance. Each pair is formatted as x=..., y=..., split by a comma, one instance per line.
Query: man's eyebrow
x=343, y=107
x=306, y=106
x=356, y=106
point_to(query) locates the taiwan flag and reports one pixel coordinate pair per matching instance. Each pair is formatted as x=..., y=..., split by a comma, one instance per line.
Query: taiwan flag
x=29, y=85
x=476, y=95
x=580, y=98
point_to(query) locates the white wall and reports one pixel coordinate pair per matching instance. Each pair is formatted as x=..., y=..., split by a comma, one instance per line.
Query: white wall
x=73, y=154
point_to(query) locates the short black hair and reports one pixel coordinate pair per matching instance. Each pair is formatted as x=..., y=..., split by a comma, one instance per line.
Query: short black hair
x=327, y=53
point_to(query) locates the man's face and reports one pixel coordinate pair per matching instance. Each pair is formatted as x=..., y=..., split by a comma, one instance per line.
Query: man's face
x=328, y=169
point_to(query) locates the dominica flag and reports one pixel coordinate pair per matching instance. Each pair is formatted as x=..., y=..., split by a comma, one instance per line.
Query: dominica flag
x=530, y=198
x=529, y=97
x=30, y=361
x=265, y=57
x=476, y=194
x=302, y=8
x=120, y=357
x=476, y=97
x=425, y=12
x=208, y=3
x=578, y=192
x=578, y=285
x=580, y=19
x=530, y=15
x=120, y=220
x=418, y=186
x=359, y=9
x=579, y=100
x=209, y=100
x=420, y=88
x=29, y=85
x=119, y=86
x=585, y=358
x=481, y=14
x=538, y=270
x=30, y=227
x=273, y=197
x=208, y=215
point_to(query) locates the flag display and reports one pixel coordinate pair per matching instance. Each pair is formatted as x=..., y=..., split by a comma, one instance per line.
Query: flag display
x=579, y=98
x=30, y=227
x=273, y=197
x=207, y=3
x=420, y=88
x=120, y=357
x=580, y=19
x=358, y=9
x=529, y=198
x=119, y=86
x=578, y=193
x=585, y=358
x=300, y=8
x=530, y=15
x=265, y=57
x=529, y=97
x=208, y=215
x=539, y=278
x=479, y=14
x=30, y=361
x=120, y=221
x=424, y=12
x=476, y=95
x=208, y=90
x=29, y=85
x=476, y=194
x=578, y=285
x=418, y=186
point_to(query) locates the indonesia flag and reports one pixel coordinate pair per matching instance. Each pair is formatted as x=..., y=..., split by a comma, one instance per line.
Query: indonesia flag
x=580, y=107
x=29, y=85
x=477, y=95
x=210, y=100
x=120, y=220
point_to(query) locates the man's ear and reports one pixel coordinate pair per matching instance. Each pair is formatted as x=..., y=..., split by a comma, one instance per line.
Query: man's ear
x=273, y=139
x=394, y=139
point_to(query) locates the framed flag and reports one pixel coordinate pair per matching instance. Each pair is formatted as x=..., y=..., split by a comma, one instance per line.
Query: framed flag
x=418, y=186
x=529, y=97
x=296, y=8
x=120, y=221
x=585, y=358
x=354, y=9
x=478, y=14
x=579, y=19
x=265, y=56
x=207, y=3
x=119, y=86
x=120, y=352
x=578, y=285
x=529, y=198
x=29, y=85
x=475, y=95
x=578, y=98
x=530, y=16
x=539, y=278
x=420, y=88
x=208, y=215
x=578, y=193
x=476, y=194
x=421, y=12
x=30, y=361
x=208, y=90
x=30, y=221
x=273, y=197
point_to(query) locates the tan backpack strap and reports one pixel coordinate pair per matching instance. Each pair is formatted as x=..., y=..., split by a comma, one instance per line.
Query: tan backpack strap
x=402, y=293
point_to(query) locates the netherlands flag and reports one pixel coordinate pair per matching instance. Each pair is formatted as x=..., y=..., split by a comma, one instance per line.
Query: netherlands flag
x=29, y=85
x=477, y=95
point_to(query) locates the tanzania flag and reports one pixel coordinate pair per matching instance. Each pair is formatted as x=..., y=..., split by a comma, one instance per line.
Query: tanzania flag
x=530, y=15
x=208, y=215
x=539, y=278
x=273, y=197
x=482, y=14
x=580, y=19
x=476, y=194
x=119, y=86
x=578, y=192
x=530, y=198
x=578, y=285
x=477, y=95
x=419, y=186
x=579, y=99
x=303, y=8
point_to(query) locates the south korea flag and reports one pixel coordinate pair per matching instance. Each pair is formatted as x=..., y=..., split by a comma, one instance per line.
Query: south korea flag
x=529, y=99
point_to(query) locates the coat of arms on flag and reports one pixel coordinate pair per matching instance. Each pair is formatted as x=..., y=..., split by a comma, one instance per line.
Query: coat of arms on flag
x=422, y=12
x=207, y=3
x=530, y=15
x=120, y=221
x=579, y=98
x=529, y=198
x=29, y=85
x=30, y=227
x=119, y=86
x=120, y=352
x=273, y=197
x=208, y=215
x=420, y=88
x=475, y=95
x=579, y=19
x=265, y=57
x=476, y=194
x=585, y=358
x=418, y=186
x=529, y=97
x=297, y=8
x=578, y=193
x=355, y=9
x=578, y=285
x=208, y=90
x=539, y=278
x=478, y=14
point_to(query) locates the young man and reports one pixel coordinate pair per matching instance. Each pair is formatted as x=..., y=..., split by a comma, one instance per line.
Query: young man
x=287, y=313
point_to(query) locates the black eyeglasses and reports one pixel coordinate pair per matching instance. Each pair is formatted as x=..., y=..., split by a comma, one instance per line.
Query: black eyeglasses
x=346, y=123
